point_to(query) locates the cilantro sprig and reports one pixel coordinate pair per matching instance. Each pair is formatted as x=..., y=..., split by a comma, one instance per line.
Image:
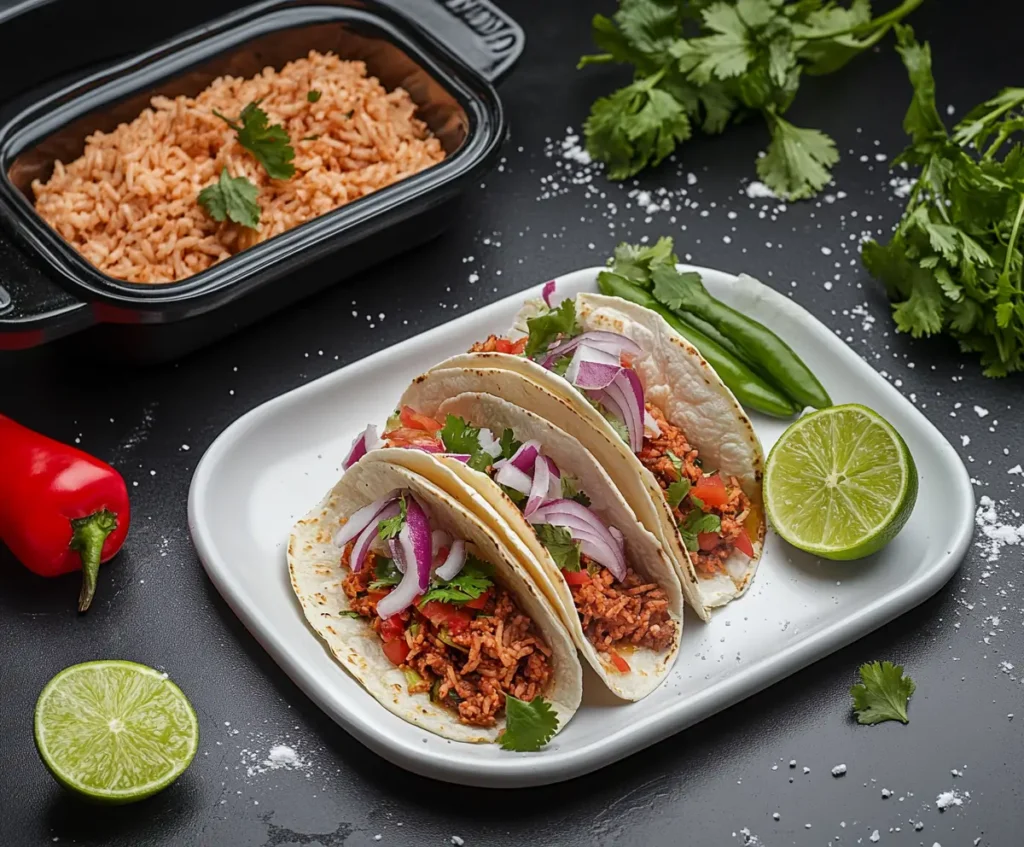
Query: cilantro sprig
x=458, y=436
x=696, y=522
x=471, y=582
x=571, y=490
x=386, y=574
x=882, y=694
x=528, y=726
x=955, y=264
x=701, y=65
x=558, y=324
x=233, y=198
x=390, y=527
x=268, y=143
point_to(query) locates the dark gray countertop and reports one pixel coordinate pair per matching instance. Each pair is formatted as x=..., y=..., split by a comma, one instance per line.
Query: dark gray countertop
x=539, y=214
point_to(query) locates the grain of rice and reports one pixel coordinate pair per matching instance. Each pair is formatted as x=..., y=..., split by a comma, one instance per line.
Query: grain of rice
x=129, y=204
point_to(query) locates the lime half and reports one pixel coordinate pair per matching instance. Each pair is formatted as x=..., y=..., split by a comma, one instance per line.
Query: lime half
x=115, y=731
x=840, y=483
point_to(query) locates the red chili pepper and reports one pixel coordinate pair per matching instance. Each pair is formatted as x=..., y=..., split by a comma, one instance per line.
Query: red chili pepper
x=61, y=510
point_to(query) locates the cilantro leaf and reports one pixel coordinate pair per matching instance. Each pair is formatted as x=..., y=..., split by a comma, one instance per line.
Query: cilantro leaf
x=313, y=95
x=232, y=198
x=390, y=527
x=676, y=491
x=508, y=443
x=561, y=365
x=459, y=437
x=528, y=726
x=269, y=144
x=636, y=126
x=560, y=544
x=348, y=613
x=636, y=262
x=468, y=584
x=695, y=523
x=554, y=325
x=386, y=574
x=797, y=163
x=882, y=693
x=571, y=490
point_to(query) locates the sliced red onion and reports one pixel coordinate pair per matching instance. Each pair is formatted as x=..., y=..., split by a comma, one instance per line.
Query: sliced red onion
x=547, y=291
x=651, y=425
x=555, y=472
x=364, y=442
x=438, y=539
x=418, y=539
x=555, y=483
x=366, y=538
x=540, y=486
x=620, y=539
x=511, y=476
x=361, y=518
x=396, y=554
x=451, y=566
x=592, y=368
x=624, y=398
x=524, y=458
x=608, y=342
x=458, y=457
x=488, y=443
x=414, y=542
x=596, y=540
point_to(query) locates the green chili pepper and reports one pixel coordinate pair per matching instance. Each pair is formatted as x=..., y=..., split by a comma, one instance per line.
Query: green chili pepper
x=750, y=389
x=684, y=292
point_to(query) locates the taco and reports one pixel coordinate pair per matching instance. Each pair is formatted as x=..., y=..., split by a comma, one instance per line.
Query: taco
x=426, y=608
x=552, y=503
x=658, y=419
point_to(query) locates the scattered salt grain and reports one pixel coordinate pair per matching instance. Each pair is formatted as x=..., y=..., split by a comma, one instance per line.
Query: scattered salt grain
x=980, y=412
x=759, y=191
x=947, y=799
x=457, y=841
x=839, y=770
x=792, y=763
x=874, y=836
x=886, y=794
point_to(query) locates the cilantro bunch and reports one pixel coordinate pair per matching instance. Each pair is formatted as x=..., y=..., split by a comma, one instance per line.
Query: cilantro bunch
x=954, y=264
x=700, y=65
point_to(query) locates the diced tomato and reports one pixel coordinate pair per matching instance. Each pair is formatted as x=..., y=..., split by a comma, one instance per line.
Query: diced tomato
x=414, y=420
x=576, y=577
x=742, y=543
x=479, y=602
x=708, y=540
x=396, y=650
x=621, y=665
x=626, y=360
x=392, y=628
x=504, y=345
x=408, y=437
x=442, y=554
x=710, y=490
x=446, y=614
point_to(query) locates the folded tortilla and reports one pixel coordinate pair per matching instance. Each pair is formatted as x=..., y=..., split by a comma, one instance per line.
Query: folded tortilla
x=314, y=562
x=685, y=388
x=459, y=392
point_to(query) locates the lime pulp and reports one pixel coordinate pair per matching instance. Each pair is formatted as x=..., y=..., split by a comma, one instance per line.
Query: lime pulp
x=115, y=731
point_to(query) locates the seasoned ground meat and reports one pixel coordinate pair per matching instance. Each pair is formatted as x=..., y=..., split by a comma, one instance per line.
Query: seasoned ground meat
x=497, y=344
x=654, y=456
x=615, y=614
x=497, y=650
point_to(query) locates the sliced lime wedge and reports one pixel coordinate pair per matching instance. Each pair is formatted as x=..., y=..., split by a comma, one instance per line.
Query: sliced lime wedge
x=840, y=483
x=115, y=732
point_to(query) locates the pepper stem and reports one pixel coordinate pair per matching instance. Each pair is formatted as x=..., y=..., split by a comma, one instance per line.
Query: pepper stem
x=87, y=537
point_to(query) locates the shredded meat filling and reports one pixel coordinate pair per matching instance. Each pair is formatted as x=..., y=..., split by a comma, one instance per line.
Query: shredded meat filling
x=468, y=663
x=629, y=613
x=654, y=456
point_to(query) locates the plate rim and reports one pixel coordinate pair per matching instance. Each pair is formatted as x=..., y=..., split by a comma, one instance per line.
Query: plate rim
x=547, y=767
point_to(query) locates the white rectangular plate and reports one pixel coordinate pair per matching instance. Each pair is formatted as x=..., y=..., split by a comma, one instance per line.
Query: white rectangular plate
x=273, y=464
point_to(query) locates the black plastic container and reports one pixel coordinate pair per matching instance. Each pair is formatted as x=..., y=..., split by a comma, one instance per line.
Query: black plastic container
x=445, y=53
